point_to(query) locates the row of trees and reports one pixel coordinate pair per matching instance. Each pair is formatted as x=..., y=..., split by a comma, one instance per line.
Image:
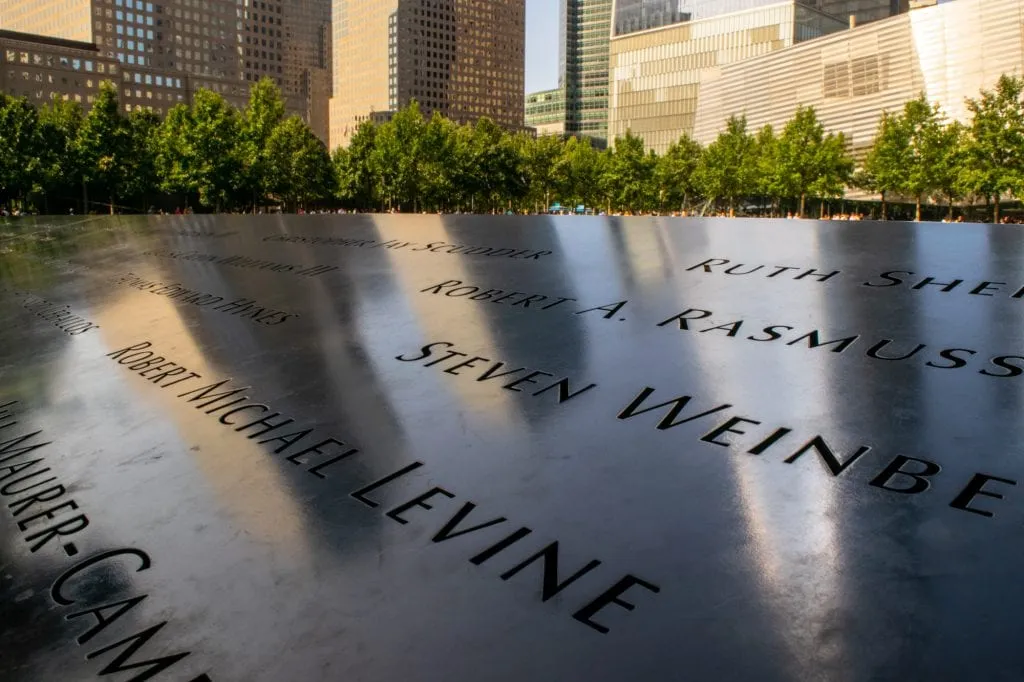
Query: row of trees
x=224, y=159
x=410, y=163
x=413, y=164
x=207, y=152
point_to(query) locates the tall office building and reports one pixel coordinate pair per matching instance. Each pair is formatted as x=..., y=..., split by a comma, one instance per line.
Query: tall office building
x=169, y=48
x=662, y=50
x=585, y=34
x=462, y=58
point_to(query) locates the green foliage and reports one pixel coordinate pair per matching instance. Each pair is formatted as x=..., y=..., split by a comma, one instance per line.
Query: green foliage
x=543, y=159
x=630, y=175
x=60, y=121
x=885, y=168
x=810, y=162
x=259, y=121
x=580, y=172
x=299, y=165
x=728, y=167
x=354, y=181
x=996, y=151
x=105, y=148
x=216, y=157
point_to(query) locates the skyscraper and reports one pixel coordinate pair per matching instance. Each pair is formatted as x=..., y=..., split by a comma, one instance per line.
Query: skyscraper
x=585, y=33
x=462, y=58
x=170, y=48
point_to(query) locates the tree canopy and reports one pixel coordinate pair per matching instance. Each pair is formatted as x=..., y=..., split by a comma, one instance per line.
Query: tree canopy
x=211, y=156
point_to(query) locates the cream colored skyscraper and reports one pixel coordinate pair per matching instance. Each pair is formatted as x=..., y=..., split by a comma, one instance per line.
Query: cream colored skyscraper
x=170, y=48
x=463, y=58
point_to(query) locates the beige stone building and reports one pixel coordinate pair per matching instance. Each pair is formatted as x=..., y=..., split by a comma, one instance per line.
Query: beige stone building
x=166, y=50
x=39, y=67
x=462, y=58
x=947, y=51
x=663, y=50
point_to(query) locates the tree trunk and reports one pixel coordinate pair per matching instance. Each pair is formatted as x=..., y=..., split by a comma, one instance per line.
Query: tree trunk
x=803, y=204
x=917, y=208
x=111, y=204
x=885, y=215
x=995, y=208
x=950, y=215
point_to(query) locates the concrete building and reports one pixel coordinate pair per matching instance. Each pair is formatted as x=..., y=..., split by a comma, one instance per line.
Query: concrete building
x=462, y=58
x=662, y=50
x=168, y=49
x=948, y=51
x=39, y=67
x=545, y=112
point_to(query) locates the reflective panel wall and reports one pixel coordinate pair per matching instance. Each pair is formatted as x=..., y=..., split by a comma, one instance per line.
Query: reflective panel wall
x=949, y=52
x=656, y=74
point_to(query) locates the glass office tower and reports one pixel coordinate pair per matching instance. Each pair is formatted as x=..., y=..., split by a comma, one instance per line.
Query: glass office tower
x=585, y=33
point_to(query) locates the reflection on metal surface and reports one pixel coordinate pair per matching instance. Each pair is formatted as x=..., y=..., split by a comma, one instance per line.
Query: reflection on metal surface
x=459, y=447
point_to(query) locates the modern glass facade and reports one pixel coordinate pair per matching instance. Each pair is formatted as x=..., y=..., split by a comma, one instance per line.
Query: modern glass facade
x=586, y=29
x=655, y=75
x=639, y=15
x=545, y=111
x=632, y=16
x=949, y=52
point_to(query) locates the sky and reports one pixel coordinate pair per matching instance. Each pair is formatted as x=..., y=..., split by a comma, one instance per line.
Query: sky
x=541, y=44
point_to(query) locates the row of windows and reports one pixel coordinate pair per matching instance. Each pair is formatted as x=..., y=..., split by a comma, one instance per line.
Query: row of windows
x=150, y=79
x=47, y=95
x=40, y=77
x=134, y=4
x=56, y=61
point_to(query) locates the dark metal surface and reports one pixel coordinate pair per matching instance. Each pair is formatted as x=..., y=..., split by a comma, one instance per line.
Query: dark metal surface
x=815, y=510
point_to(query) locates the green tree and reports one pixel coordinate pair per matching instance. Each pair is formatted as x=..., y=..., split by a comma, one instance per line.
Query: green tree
x=923, y=130
x=811, y=161
x=949, y=161
x=997, y=134
x=728, y=166
x=259, y=121
x=437, y=175
x=675, y=172
x=543, y=159
x=768, y=176
x=491, y=167
x=60, y=121
x=143, y=127
x=579, y=173
x=175, y=158
x=397, y=158
x=630, y=174
x=105, y=147
x=198, y=150
x=21, y=143
x=353, y=168
x=300, y=167
x=885, y=167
